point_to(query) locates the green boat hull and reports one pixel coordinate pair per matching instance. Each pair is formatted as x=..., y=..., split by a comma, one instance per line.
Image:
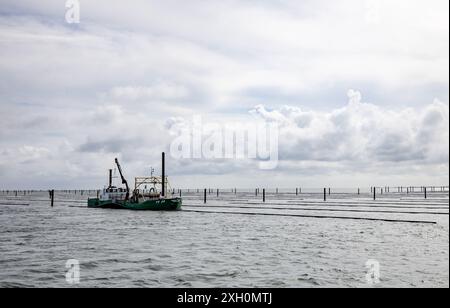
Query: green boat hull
x=149, y=205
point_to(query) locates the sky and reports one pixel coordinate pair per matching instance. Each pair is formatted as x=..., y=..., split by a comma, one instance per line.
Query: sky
x=358, y=89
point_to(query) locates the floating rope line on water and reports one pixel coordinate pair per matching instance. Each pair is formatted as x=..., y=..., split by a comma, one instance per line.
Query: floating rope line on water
x=306, y=204
x=46, y=200
x=339, y=201
x=21, y=204
x=300, y=209
x=299, y=216
x=298, y=204
x=367, y=201
x=314, y=216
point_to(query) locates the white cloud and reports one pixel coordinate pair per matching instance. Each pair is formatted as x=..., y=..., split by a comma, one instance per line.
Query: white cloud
x=106, y=87
x=357, y=138
x=363, y=133
x=161, y=91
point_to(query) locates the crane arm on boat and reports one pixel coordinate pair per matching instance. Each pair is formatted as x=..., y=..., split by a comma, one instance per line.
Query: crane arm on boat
x=124, y=181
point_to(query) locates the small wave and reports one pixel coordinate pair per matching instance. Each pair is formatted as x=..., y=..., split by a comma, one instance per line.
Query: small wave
x=11, y=285
x=155, y=268
x=90, y=264
x=309, y=280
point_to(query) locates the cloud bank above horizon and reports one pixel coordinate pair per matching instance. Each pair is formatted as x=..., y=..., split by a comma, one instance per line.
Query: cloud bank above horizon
x=72, y=97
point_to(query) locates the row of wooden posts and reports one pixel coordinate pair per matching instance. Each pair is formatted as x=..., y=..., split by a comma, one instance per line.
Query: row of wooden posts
x=382, y=190
x=326, y=191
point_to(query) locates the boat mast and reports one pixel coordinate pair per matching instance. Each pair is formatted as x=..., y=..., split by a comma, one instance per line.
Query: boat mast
x=124, y=181
x=163, y=176
x=110, y=178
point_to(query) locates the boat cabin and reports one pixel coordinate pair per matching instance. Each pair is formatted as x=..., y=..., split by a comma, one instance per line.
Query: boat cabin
x=113, y=194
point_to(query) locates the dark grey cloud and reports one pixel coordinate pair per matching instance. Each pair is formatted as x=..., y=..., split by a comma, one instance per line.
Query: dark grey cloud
x=115, y=145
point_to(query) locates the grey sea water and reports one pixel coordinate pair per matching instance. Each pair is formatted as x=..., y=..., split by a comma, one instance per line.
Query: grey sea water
x=191, y=249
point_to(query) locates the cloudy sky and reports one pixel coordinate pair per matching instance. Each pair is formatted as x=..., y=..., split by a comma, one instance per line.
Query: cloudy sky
x=359, y=89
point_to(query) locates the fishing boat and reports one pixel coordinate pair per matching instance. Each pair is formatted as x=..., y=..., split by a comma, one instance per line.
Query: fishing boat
x=149, y=194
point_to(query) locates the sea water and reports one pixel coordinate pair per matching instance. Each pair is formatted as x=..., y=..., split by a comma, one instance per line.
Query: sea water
x=119, y=248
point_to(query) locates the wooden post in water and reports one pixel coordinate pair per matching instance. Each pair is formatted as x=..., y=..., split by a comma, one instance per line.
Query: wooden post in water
x=217, y=193
x=264, y=195
x=374, y=193
x=52, y=197
x=425, y=190
x=324, y=194
x=204, y=197
x=359, y=191
x=296, y=191
x=329, y=191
